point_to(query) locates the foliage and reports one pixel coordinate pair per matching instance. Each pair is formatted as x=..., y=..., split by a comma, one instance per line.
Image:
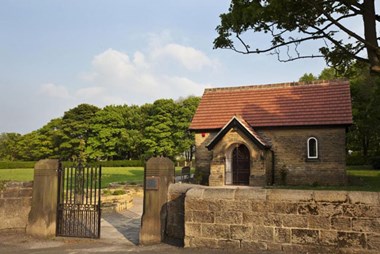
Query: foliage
x=289, y=24
x=375, y=162
x=364, y=134
x=307, y=77
x=356, y=159
x=114, y=133
x=16, y=164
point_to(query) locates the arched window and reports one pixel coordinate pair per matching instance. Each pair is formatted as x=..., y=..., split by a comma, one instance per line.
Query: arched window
x=312, y=148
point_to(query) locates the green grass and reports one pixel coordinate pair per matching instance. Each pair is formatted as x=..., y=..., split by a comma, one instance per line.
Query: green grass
x=17, y=174
x=121, y=174
x=359, y=179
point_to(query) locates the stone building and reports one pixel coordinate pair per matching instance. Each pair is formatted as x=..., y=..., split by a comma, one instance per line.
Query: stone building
x=290, y=133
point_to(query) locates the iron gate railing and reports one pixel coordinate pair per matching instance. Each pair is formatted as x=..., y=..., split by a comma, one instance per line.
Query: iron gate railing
x=79, y=211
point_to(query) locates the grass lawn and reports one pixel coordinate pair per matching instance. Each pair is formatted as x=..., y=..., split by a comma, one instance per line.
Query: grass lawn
x=359, y=179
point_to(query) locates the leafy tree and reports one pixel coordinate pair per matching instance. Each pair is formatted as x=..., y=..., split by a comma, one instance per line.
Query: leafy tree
x=292, y=23
x=158, y=138
x=8, y=143
x=364, y=135
x=184, y=138
x=74, y=130
x=307, y=77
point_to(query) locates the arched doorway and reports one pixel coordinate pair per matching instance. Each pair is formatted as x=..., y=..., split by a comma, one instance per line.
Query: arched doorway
x=240, y=165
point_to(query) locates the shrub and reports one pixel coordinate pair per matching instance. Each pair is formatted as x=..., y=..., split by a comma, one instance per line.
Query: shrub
x=375, y=162
x=16, y=164
x=356, y=159
x=119, y=192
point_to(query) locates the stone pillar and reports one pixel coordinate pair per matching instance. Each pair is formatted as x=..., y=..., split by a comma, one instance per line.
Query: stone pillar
x=159, y=173
x=43, y=214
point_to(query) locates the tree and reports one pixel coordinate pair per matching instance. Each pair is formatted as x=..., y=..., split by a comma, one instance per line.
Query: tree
x=307, y=77
x=292, y=23
x=8, y=144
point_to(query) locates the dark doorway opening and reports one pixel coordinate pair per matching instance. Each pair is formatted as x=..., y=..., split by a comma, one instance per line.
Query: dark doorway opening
x=240, y=165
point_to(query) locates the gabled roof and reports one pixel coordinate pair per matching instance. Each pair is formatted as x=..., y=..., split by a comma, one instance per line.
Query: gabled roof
x=237, y=122
x=287, y=104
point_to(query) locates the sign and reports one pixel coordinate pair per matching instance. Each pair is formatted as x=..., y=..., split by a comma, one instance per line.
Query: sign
x=152, y=182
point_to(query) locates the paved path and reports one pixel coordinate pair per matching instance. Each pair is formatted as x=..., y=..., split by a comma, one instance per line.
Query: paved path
x=123, y=227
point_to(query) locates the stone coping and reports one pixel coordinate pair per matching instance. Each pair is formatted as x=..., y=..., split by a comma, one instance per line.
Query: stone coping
x=257, y=193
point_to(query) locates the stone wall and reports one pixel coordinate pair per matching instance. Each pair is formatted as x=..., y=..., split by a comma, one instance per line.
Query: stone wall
x=282, y=221
x=289, y=146
x=290, y=151
x=15, y=204
x=203, y=156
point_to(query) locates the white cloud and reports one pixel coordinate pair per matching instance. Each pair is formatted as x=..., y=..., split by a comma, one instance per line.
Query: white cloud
x=192, y=59
x=55, y=91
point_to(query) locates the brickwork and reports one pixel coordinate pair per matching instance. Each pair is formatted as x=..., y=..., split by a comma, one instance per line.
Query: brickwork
x=203, y=156
x=15, y=204
x=285, y=221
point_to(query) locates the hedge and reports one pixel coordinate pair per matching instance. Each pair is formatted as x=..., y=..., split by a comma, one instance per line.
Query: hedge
x=30, y=164
x=16, y=164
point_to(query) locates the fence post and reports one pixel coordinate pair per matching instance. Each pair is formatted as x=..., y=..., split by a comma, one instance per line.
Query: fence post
x=158, y=174
x=43, y=214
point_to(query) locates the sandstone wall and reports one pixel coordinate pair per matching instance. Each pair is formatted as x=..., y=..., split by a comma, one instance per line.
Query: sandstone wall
x=290, y=152
x=15, y=204
x=285, y=221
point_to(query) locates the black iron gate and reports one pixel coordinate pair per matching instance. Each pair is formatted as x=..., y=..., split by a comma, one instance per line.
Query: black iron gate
x=78, y=212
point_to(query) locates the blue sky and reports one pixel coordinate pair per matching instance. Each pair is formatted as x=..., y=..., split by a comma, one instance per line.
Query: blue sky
x=56, y=54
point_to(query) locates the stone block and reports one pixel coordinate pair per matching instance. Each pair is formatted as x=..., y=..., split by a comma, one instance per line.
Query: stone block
x=263, y=233
x=273, y=220
x=196, y=205
x=218, y=193
x=189, y=216
x=366, y=225
x=282, y=235
x=253, y=219
x=304, y=236
x=294, y=221
x=329, y=237
x=319, y=222
x=11, y=193
x=308, y=209
x=238, y=205
x=204, y=243
x=361, y=210
x=229, y=217
x=330, y=196
x=289, y=195
x=195, y=193
x=341, y=223
x=241, y=232
x=228, y=244
x=361, y=197
x=285, y=208
x=203, y=217
x=193, y=229
x=252, y=246
x=330, y=209
x=261, y=207
x=219, y=205
x=251, y=194
x=216, y=231
x=351, y=240
x=373, y=242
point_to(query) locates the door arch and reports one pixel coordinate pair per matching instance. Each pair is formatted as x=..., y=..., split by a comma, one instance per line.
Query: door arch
x=240, y=165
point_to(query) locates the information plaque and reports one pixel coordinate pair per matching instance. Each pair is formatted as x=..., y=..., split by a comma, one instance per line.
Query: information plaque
x=152, y=182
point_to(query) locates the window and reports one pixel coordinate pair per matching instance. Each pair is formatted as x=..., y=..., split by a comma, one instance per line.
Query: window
x=312, y=148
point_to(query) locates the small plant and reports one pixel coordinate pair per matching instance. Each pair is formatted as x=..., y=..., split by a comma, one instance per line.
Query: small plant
x=107, y=192
x=119, y=192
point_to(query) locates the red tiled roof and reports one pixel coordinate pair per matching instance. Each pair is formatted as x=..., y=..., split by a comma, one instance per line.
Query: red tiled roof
x=288, y=104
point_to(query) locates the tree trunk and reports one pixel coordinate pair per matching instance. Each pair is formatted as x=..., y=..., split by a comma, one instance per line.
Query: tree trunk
x=369, y=20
